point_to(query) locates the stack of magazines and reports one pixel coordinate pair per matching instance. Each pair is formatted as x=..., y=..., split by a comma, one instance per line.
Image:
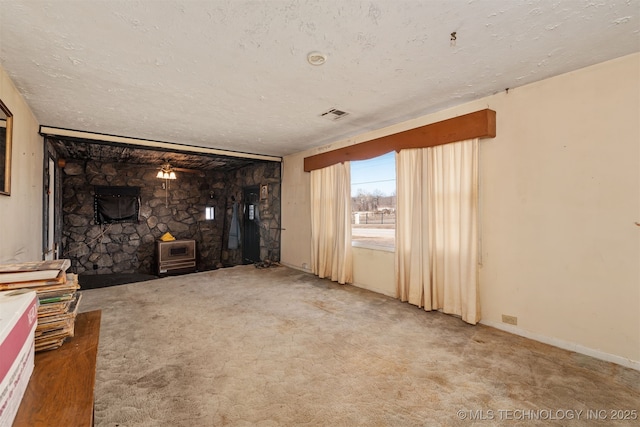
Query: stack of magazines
x=57, y=294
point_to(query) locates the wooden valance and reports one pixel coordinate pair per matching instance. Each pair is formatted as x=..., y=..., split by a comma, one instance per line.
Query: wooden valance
x=480, y=124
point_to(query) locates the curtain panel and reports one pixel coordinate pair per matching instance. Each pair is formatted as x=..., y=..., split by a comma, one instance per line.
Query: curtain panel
x=436, y=228
x=331, y=223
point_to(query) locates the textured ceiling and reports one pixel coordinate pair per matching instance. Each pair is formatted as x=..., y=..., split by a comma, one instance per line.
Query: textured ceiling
x=233, y=74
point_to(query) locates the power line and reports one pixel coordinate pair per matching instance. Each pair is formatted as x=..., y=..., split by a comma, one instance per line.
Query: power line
x=373, y=182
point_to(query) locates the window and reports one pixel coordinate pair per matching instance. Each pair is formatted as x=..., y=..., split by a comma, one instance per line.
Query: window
x=209, y=213
x=373, y=201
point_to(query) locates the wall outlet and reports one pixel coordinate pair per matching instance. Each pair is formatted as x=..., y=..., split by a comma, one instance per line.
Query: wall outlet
x=511, y=320
x=305, y=266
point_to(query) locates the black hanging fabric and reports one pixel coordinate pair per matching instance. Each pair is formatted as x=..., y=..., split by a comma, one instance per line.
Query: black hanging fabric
x=116, y=204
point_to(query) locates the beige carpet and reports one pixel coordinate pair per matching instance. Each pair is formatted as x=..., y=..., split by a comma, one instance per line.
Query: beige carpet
x=276, y=347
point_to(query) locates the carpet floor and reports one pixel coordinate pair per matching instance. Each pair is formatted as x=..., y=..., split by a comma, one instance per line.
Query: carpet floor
x=277, y=347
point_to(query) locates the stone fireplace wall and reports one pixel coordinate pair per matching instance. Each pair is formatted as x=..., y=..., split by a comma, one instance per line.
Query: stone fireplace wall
x=180, y=210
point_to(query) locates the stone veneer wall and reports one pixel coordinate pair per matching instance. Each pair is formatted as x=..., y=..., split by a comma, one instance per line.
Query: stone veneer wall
x=130, y=247
x=270, y=220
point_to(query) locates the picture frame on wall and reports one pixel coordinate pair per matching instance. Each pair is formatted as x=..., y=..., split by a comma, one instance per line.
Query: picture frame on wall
x=264, y=192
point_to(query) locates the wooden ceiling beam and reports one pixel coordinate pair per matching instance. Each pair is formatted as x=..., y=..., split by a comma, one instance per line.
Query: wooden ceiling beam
x=479, y=124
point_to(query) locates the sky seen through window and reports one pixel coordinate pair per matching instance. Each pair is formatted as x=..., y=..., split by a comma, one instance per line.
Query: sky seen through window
x=374, y=174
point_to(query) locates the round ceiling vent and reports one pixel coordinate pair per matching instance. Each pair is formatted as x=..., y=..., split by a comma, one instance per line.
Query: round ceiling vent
x=316, y=58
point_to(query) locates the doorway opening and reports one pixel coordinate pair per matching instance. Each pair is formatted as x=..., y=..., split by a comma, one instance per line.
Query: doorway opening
x=251, y=225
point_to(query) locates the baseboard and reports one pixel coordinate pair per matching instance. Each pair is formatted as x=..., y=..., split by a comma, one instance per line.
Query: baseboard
x=357, y=285
x=566, y=345
x=296, y=267
x=378, y=291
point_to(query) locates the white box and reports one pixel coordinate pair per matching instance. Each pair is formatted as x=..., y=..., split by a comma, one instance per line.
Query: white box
x=16, y=383
x=18, y=321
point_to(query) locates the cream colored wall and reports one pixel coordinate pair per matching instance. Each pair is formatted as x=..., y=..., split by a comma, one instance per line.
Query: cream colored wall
x=21, y=212
x=296, y=206
x=373, y=269
x=560, y=195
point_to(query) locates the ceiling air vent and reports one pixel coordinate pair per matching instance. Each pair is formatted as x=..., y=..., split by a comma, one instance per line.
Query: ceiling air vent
x=334, y=114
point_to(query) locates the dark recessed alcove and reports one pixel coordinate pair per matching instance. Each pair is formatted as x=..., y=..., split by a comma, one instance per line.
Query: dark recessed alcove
x=116, y=204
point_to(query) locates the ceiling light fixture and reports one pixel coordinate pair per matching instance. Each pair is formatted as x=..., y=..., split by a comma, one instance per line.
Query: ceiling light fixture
x=316, y=58
x=166, y=172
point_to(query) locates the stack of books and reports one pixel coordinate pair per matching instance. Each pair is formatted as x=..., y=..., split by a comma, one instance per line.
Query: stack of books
x=57, y=295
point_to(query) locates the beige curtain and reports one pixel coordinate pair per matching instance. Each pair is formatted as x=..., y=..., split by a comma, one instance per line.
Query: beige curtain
x=331, y=223
x=436, y=228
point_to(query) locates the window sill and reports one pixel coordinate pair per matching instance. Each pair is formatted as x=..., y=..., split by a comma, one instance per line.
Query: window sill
x=373, y=247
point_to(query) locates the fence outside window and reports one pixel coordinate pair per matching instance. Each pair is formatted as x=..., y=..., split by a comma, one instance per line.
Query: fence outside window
x=366, y=218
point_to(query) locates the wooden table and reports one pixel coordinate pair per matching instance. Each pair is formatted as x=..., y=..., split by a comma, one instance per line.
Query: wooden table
x=60, y=391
